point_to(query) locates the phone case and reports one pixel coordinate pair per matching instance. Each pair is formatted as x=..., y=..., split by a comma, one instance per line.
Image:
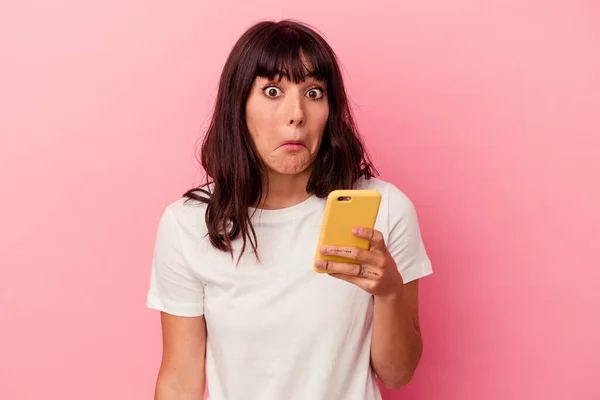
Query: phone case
x=344, y=210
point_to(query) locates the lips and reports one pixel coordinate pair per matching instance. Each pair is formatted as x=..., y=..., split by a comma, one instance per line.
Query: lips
x=293, y=143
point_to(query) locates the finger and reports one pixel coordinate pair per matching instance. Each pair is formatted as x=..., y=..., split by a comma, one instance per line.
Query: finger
x=363, y=283
x=352, y=253
x=350, y=269
x=372, y=235
x=333, y=267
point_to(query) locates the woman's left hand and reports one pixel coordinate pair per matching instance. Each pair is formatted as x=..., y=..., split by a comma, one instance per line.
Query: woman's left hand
x=376, y=273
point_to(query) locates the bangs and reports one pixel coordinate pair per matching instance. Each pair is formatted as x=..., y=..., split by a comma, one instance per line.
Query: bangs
x=293, y=55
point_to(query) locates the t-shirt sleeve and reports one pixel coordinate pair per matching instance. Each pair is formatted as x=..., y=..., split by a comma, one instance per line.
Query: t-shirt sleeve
x=174, y=288
x=405, y=242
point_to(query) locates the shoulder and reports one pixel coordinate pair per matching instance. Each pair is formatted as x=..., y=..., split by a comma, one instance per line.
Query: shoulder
x=188, y=216
x=184, y=208
x=393, y=199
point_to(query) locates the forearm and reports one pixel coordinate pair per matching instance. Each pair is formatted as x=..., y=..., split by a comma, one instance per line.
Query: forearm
x=171, y=388
x=396, y=346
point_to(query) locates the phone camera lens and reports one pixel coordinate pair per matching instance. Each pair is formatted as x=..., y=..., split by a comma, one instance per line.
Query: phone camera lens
x=340, y=198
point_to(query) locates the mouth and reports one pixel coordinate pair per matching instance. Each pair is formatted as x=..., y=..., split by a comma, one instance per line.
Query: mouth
x=293, y=144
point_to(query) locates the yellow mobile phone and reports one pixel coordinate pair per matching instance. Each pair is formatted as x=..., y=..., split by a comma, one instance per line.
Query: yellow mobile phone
x=344, y=210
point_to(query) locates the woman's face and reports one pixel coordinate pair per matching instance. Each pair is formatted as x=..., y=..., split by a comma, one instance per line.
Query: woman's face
x=287, y=121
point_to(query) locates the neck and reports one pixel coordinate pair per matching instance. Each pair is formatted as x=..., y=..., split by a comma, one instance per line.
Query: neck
x=284, y=190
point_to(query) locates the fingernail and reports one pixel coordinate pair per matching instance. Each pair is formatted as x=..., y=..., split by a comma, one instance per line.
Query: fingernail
x=323, y=250
x=355, y=231
x=319, y=263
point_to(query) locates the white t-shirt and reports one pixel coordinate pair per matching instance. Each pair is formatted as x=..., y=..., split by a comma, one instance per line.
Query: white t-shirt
x=279, y=330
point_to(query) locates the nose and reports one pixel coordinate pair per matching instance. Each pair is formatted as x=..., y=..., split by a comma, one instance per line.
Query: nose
x=296, y=116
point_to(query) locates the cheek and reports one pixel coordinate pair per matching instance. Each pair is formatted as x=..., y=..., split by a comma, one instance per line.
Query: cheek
x=253, y=127
x=323, y=115
x=259, y=121
x=260, y=128
x=320, y=120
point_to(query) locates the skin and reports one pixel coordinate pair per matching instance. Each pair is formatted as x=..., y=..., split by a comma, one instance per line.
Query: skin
x=181, y=375
x=276, y=112
x=396, y=346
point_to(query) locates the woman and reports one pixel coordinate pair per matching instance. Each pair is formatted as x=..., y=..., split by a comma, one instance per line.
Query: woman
x=233, y=266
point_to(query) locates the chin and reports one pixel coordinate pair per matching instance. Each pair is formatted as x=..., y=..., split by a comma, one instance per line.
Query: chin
x=290, y=171
x=290, y=168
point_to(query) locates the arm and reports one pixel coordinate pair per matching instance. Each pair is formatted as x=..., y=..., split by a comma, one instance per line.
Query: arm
x=396, y=347
x=181, y=375
x=390, y=273
x=396, y=344
x=177, y=292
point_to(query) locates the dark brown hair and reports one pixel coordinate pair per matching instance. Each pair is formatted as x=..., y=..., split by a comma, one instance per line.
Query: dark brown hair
x=228, y=155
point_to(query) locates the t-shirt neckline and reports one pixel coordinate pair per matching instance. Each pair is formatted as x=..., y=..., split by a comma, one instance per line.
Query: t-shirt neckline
x=287, y=213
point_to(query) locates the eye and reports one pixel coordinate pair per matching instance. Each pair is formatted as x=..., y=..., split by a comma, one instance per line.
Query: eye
x=271, y=91
x=315, y=93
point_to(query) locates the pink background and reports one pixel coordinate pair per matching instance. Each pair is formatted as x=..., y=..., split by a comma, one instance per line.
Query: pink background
x=485, y=113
